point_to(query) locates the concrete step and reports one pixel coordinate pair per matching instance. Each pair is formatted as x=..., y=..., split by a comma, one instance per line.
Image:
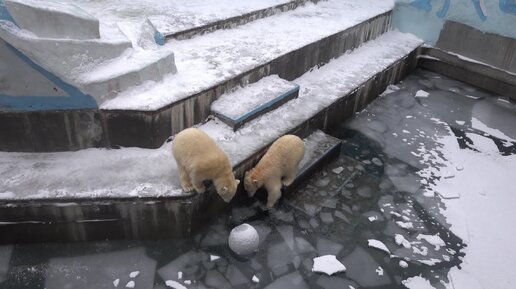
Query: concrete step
x=247, y=103
x=232, y=21
x=134, y=193
x=53, y=19
x=215, y=63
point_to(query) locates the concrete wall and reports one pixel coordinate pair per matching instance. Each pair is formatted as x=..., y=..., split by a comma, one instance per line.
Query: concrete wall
x=425, y=18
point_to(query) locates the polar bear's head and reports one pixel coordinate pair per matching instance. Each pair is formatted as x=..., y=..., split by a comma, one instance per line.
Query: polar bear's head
x=226, y=187
x=251, y=183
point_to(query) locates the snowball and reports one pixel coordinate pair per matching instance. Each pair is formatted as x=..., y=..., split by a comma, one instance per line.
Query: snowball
x=244, y=239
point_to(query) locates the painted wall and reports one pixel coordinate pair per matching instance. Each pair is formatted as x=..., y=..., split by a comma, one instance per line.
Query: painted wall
x=425, y=18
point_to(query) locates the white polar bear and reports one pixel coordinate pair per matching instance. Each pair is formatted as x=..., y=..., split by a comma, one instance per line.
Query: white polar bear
x=200, y=159
x=279, y=166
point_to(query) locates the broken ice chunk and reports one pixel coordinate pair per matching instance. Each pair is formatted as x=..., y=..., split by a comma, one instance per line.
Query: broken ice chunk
x=338, y=170
x=378, y=245
x=130, y=284
x=422, y=93
x=403, y=264
x=134, y=274
x=214, y=258
x=174, y=284
x=255, y=279
x=400, y=240
x=433, y=240
x=379, y=270
x=116, y=282
x=328, y=264
x=327, y=218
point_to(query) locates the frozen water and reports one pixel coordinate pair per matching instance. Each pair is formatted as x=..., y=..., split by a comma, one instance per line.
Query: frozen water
x=255, y=279
x=323, y=182
x=96, y=270
x=292, y=280
x=303, y=246
x=361, y=268
x=378, y=245
x=235, y=276
x=116, y=282
x=328, y=264
x=311, y=209
x=418, y=282
x=287, y=233
x=329, y=203
x=327, y=247
x=134, y=274
x=433, y=240
x=400, y=240
x=327, y=218
x=216, y=280
x=332, y=282
x=214, y=258
x=279, y=255
x=263, y=232
x=181, y=263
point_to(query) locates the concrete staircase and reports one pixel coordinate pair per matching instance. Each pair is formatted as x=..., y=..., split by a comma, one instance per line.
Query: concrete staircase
x=240, y=85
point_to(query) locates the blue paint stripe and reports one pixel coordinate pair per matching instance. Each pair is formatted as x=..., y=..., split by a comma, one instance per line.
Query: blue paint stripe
x=4, y=13
x=76, y=98
x=444, y=10
x=266, y=105
x=478, y=8
x=508, y=6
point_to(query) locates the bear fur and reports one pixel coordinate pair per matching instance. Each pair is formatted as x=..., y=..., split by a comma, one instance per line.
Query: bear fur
x=278, y=167
x=199, y=159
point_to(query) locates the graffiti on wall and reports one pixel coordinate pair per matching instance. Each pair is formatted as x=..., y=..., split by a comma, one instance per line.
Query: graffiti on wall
x=507, y=6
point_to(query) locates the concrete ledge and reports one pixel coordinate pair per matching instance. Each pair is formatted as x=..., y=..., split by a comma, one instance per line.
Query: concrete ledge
x=489, y=48
x=196, y=108
x=469, y=71
x=237, y=20
x=172, y=217
x=53, y=19
x=48, y=131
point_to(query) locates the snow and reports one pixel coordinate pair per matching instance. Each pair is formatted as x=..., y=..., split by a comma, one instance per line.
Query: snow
x=242, y=100
x=134, y=274
x=255, y=279
x=116, y=282
x=403, y=264
x=378, y=245
x=214, y=258
x=205, y=61
x=417, y=282
x=432, y=239
x=422, y=93
x=139, y=172
x=244, y=239
x=174, y=284
x=130, y=284
x=328, y=264
x=168, y=16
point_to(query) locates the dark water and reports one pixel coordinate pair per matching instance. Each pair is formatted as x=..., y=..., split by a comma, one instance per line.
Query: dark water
x=371, y=191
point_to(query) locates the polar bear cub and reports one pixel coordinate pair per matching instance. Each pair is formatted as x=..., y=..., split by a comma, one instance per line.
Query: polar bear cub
x=279, y=166
x=199, y=159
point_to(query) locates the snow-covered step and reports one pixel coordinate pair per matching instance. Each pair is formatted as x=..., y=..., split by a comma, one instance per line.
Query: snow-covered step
x=132, y=68
x=53, y=19
x=241, y=16
x=247, y=103
x=319, y=149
